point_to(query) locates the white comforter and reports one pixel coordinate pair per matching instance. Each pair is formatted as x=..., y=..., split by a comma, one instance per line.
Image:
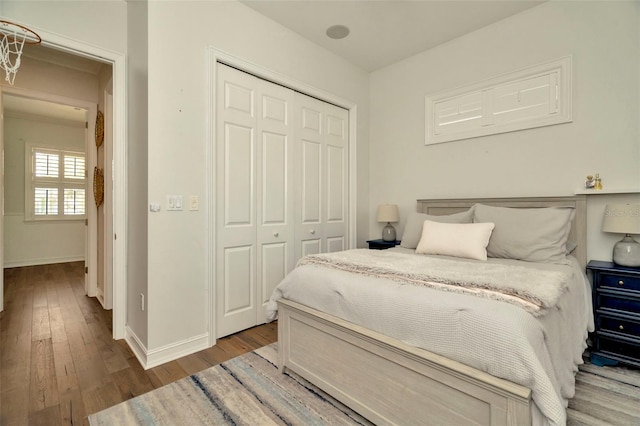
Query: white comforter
x=501, y=339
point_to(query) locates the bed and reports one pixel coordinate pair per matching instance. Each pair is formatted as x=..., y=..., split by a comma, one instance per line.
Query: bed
x=365, y=359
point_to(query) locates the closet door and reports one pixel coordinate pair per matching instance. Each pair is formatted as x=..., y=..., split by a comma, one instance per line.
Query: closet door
x=309, y=176
x=275, y=198
x=336, y=139
x=236, y=205
x=321, y=176
x=254, y=201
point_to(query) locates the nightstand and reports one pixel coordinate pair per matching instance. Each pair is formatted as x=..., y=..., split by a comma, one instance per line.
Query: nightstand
x=616, y=307
x=381, y=244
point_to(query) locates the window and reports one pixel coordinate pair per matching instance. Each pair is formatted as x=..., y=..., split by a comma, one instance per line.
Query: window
x=533, y=97
x=55, y=184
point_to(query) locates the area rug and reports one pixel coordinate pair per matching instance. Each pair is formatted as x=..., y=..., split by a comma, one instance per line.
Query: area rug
x=249, y=390
x=246, y=390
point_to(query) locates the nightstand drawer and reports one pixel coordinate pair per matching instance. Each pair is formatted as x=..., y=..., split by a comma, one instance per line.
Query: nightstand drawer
x=622, y=326
x=608, y=301
x=618, y=347
x=620, y=282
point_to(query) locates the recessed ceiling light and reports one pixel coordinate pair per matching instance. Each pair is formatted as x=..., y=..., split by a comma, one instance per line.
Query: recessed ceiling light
x=337, y=31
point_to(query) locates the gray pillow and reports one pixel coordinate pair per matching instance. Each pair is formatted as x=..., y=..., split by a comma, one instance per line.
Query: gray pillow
x=533, y=235
x=413, y=228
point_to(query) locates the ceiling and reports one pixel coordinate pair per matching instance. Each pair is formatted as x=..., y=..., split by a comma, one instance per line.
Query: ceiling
x=19, y=105
x=386, y=31
x=382, y=32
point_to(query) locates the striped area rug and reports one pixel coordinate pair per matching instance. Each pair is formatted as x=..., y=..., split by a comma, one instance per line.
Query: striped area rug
x=605, y=396
x=249, y=390
x=246, y=390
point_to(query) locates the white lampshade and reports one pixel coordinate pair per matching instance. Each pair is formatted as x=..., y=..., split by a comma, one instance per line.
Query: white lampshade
x=621, y=218
x=388, y=213
x=624, y=219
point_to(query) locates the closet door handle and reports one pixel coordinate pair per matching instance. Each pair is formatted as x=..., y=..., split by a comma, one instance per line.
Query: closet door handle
x=275, y=234
x=313, y=231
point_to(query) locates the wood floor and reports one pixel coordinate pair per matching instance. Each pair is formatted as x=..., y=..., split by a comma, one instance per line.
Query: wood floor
x=58, y=362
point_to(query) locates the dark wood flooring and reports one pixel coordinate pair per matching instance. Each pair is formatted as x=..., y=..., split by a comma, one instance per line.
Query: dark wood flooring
x=58, y=362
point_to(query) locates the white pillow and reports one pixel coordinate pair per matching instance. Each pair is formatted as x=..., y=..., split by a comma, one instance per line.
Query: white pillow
x=413, y=228
x=468, y=240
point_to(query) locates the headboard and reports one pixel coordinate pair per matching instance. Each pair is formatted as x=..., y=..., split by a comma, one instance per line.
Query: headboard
x=578, y=233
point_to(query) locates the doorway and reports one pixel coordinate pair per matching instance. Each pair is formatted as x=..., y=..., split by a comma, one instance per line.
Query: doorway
x=45, y=188
x=117, y=167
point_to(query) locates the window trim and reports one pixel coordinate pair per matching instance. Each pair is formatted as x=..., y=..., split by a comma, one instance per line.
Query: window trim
x=560, y=67
x=60, y=183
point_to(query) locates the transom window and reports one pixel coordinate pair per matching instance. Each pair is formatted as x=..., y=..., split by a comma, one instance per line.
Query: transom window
x=56, y=184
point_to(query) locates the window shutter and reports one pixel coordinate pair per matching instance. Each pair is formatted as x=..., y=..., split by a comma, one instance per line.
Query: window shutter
x=533, y=97
x=46, y=165
x=45, y=201
x=73, y=167
x=74, y=201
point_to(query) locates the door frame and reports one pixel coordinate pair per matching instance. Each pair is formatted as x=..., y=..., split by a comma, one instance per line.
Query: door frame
x=213, y=57
x=119, y=131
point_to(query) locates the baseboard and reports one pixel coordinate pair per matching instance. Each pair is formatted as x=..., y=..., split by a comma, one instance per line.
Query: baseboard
x=137, y=347
x=155, y=357
x=48, y=261
x=177, y=350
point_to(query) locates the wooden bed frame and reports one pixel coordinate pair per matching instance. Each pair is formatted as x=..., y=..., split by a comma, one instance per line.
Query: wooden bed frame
x=389, y=382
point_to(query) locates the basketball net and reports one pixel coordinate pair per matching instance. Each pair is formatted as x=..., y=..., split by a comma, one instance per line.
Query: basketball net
x=12, y=39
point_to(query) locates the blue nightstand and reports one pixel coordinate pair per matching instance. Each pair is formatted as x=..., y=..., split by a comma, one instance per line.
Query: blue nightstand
x=381, y=244
x=616, y=307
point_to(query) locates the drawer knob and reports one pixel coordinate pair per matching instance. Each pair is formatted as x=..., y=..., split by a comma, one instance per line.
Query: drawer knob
x=275, y=234
x=621, y=327
x=313, y=231
x=621, y=282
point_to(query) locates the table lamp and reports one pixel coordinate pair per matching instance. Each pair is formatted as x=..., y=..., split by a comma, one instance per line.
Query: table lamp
x=388, y=213
x=624, y=219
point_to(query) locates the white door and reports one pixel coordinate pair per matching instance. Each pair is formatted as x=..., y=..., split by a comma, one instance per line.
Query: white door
x=254, y=196
x=275, y=197
x=321, y=176
x=336, y=142
x=310, y=175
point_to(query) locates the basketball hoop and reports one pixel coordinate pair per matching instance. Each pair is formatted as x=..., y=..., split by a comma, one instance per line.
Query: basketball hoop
x=12, y=40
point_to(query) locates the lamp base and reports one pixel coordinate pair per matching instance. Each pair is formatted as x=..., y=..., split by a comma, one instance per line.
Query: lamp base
x=388, y=232
x=626, y=252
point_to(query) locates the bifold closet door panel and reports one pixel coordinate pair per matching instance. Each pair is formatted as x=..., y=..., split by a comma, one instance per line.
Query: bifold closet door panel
x=336, y=142
x=236, y=201
x=275, y=198
x=310, y=194
x=321, y=176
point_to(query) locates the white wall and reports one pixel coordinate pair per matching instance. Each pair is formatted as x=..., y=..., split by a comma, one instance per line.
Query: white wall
x=98, y=22
x=178, y=124
x=602, y=38
x=37, y=242
x=137, y=170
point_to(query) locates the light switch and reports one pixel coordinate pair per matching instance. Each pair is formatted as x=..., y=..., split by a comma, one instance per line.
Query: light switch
x=174, y=202
x=154, y=207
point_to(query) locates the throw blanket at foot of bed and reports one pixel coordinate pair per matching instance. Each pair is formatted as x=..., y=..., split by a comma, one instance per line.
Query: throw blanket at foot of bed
x=534, y=289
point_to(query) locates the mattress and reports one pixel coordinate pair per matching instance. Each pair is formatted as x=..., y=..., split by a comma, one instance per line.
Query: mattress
x=541, y=353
